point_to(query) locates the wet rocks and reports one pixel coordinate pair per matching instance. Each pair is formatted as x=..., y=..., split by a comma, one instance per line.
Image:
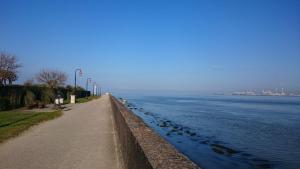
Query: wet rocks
x=220, y=149
x=204, y=142
x=163, y=124
x=179, y=133
x=192, y=134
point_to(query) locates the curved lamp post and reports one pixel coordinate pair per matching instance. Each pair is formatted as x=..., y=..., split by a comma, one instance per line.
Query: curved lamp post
x=95, y=86
x=88, y=80
x=99, y=89
x=80, y=74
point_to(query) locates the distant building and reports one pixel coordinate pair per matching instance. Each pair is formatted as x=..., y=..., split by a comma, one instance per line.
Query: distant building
x=275, y=92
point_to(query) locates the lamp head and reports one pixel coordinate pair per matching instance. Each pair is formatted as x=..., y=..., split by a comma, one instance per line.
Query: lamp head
x=80, y=72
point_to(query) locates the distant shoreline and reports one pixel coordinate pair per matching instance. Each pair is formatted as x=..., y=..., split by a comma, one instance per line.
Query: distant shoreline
x=265, y=95
x=217, y=94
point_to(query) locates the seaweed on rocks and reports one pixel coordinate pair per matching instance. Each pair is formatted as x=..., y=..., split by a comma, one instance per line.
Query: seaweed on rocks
x=225, y=150
x=218, y=150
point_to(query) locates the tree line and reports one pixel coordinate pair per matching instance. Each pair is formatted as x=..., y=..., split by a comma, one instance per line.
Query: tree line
x=9, y=69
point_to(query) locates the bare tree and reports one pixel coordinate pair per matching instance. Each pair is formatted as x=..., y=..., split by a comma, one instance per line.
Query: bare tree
x=52, y=78
x=8, y=68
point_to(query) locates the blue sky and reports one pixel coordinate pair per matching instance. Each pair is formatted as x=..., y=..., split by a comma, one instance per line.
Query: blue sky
x=187, y=45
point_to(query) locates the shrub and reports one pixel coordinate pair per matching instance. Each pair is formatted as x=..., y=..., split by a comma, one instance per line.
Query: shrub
x=15, y=96
x=47, y=96
x=29, y=99
x=4, y=104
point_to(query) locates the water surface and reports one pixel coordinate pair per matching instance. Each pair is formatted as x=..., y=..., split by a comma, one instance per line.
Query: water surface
x=227, y=131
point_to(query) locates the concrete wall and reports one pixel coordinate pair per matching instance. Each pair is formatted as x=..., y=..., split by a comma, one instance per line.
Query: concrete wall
x=141, y=147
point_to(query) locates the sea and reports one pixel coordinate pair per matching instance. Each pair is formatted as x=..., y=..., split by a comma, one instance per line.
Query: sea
x=226, y=132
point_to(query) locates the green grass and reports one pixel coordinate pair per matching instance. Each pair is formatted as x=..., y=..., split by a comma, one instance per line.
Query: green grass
x=86, y=99
x=13, y=123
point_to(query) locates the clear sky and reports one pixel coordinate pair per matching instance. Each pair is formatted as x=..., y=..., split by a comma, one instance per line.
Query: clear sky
x=185, y=45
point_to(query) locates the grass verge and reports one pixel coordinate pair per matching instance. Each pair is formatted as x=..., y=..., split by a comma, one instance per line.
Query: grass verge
x=13, y=123
x=86, y=99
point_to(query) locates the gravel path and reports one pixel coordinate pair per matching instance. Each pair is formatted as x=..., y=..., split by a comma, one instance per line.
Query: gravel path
x=83, y=138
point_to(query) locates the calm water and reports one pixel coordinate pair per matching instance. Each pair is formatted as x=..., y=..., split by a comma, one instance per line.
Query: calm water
x=227, y=131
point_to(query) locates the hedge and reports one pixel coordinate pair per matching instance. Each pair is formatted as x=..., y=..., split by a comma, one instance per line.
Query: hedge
x=16, y=96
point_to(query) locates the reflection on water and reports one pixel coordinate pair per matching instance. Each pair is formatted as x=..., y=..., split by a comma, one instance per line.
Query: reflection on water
x=227, y=131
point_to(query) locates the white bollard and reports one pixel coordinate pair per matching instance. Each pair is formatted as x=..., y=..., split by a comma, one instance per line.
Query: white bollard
x=56, y=101
x=61, y=101
x=72, y=99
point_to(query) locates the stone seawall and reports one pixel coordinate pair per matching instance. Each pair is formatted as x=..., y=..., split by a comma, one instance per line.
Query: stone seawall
x=141, y=147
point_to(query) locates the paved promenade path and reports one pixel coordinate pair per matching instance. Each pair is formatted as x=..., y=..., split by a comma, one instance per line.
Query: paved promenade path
x=83, y=138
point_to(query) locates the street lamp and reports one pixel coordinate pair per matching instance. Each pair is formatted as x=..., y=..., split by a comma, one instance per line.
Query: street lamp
x=99, y=86
x=88, y=80
x=99, y=89
x=80, y=74
x=95, y=89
